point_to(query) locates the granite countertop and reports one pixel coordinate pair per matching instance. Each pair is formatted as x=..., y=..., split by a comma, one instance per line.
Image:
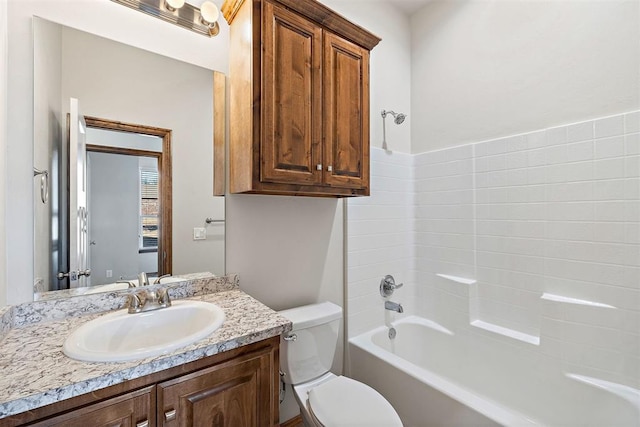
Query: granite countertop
x=36, y=373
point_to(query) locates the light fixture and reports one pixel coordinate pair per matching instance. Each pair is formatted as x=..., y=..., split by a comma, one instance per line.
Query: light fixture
x=172, y=5
x=203, y=21
x=209, y=14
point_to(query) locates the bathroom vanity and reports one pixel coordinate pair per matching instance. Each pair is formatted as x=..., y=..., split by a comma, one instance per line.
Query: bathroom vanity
x=229, y=378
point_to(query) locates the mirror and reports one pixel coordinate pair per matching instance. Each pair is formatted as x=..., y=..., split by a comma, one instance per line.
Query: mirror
x=123, y=94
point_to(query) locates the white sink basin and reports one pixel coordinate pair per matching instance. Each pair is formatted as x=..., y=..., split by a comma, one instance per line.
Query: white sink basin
x=121, y=336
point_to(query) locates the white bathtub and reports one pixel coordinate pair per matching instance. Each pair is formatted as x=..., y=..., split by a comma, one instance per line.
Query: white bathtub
x=436, y=378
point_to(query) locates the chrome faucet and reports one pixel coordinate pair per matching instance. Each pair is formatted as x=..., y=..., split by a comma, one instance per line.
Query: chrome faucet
x=144, y=300
x=143, y=280
x=393, y=306
x=159, y=279
x=129, y=283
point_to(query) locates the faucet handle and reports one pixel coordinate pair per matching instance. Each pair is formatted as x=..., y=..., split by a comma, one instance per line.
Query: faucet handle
x=163, y=297
x=129, y=283
x=135, y=301
x=158, y=279
x=388, y=285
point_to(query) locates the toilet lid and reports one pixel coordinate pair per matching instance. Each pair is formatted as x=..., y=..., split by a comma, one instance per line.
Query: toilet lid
x=346, y=402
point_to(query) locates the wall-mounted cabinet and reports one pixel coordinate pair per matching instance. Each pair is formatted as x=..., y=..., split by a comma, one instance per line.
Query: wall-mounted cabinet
x=299, y=99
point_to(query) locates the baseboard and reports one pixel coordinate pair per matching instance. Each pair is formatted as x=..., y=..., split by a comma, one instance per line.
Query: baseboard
x=293, y=422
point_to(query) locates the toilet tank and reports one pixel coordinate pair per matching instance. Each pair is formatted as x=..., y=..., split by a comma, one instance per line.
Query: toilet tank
x=310, y=355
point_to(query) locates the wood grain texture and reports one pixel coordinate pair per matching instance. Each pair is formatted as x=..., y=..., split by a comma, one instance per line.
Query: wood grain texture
x=269, y=346
x=242, y=56
x=314, y=11
x=126, y=410
x=293, y=422
x=346, y=109
x=278, y=78
x=291, y=98
x=165, y=241
x=219, y=133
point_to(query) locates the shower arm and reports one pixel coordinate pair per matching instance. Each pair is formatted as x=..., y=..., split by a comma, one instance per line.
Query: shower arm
x=398, y=118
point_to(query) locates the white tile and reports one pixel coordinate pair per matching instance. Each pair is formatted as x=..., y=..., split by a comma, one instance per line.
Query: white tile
x=555, y=136
x=491, y=163
x=489, y=148
x=632, y=210
x=556, y=154
x=536, y=158
x=632, y=189
x=536, y=139
x=610, y=126
x=609, y=168
x=609, y=147
x=571, y=211
x=632, y=122
x=580, y=131
x=537, y=175
x=632, y=233
x=610, y=211
x=580, y=151
x=632, y=144
x=535, y=193
x=570, y=230
x=517, y=177
x=557, y=173
x=570, y=192
x=516, y=143
x=632, y=166
x=613, y=232
x=609, y=189
x=580, y=171
x=517, y=160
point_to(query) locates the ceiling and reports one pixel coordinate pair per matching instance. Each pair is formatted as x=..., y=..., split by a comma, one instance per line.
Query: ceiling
x=409, y=6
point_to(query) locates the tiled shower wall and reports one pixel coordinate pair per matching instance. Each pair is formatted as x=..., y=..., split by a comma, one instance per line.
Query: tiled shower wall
x=380, y=239
x=536, y=238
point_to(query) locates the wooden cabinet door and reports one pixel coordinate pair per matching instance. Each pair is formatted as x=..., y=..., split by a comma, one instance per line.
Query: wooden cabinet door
x=135, y=409
x=346, y=113
x=229, y=395
x=291, y=98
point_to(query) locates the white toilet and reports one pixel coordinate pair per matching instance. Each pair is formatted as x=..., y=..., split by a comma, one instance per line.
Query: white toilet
x=326, y=399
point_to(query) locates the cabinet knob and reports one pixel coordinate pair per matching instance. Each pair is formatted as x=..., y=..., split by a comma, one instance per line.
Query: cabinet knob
x=329, y=168
x=170, y=415
x=144, y=423
x=319, y=167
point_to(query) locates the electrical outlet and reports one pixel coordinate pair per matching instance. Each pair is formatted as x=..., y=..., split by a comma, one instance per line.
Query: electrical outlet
x=109, y=273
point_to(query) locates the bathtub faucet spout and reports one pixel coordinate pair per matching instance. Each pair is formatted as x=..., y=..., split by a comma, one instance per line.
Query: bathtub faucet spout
x=393, y=306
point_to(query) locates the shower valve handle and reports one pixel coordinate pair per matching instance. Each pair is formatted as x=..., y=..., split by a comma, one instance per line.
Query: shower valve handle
x=388, y=285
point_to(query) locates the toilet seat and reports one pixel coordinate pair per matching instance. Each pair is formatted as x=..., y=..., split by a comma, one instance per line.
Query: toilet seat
x=342, y=401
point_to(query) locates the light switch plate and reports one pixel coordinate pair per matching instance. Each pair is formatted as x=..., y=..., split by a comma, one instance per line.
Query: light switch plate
x=199, y=233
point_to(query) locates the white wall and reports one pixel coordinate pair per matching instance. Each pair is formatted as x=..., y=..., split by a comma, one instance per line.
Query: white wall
x=114, y=209
x=97, y=17
x=488, y=68
x=3, y=149
x=390, y=66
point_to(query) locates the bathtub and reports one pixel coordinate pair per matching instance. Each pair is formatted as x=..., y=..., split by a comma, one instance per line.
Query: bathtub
x=434, y=377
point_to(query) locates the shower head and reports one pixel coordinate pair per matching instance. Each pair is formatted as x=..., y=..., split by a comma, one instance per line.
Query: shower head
x=398, y=118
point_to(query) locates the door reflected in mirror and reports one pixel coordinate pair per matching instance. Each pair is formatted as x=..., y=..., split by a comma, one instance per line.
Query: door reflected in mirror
x=147, y=216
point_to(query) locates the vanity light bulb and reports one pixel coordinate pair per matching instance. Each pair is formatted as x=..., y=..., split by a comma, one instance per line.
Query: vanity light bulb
x=174, y=4
x=209, y=12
